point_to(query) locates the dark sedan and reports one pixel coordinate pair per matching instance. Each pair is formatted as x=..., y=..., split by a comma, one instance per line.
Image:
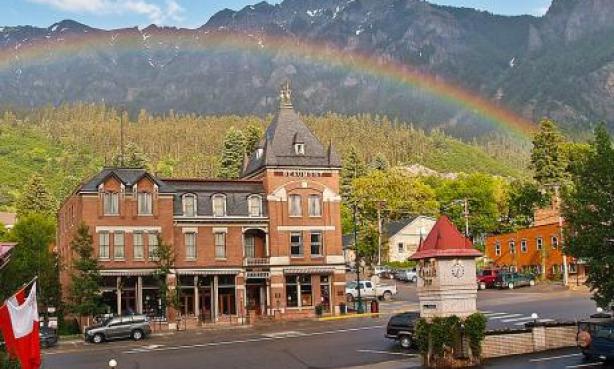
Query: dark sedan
x=401, y=328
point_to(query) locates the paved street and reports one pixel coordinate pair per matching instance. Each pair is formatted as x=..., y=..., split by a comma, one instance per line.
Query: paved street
x=556, y=359
x=327, y=344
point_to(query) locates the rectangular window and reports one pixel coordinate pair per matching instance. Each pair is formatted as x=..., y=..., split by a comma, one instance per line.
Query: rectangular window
x=512, y=245
x=219, y=206
x=295, y=205
x=250, y=246
x=400, y=247
x=190, y=245
x=220, y=245
x=255, y=206
x=292, y=291
x=498, y=249
x=111, y=203
x=306, y=294
x=137, y=245
x=103, y=247
x=540, y=243
x=555, y=242
x=316, y=243
x=118, y=246
x=523, y=246
x=152, y=239
x=189, y=205
x=144, y=200
x=296, y=244
x=315, y=206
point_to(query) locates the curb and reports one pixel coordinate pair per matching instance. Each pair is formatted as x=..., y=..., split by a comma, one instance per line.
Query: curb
x=349, y=316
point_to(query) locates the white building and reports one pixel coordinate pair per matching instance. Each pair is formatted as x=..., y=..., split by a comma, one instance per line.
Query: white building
x=403, y=236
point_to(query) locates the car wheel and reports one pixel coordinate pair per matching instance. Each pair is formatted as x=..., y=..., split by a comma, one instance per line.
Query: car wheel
x=531, y=283
x=510, y=285
x=387, y=296
x=349, y=297
x=98, y=338
x=482, y=285
x=137, y=334
x=405, y=342
x=414, y=279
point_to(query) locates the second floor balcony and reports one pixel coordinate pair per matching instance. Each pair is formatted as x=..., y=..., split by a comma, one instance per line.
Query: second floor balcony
x=255, y=261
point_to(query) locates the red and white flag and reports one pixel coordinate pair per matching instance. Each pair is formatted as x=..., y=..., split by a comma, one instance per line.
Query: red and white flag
x=6, y=329
x=20, y=328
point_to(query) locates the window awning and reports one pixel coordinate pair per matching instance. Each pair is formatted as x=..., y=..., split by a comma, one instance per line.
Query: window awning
x=309, y=270
x=208, y=271
x=126, y=272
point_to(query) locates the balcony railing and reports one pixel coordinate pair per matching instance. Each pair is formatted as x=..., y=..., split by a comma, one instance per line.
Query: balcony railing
x=256, y=262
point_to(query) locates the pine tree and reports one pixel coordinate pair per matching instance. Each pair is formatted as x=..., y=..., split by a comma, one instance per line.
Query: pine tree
x=547, y=156
x=588, y=210
x=233, y=151
x=379, y=162
x=353, y=167
x=35, y=198
x=85, y=284
x=134, y=157
x=253, y=133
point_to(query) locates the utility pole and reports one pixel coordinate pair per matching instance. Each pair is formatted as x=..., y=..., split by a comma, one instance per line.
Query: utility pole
x=121, y=138
x=380, y=205
x=466, y=215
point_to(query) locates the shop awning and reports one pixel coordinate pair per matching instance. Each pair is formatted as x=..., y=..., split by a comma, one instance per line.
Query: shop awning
x=208, y=271
x=309, y=270
x=126, y=272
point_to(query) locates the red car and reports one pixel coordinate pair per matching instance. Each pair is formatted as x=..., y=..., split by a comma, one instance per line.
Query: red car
x=486, y=278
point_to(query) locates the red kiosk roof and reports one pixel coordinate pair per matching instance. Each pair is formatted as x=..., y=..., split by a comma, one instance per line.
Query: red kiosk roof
x=445, y=240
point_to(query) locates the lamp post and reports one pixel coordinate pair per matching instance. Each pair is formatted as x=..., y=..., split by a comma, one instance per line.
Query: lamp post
x=112, y=363
x=534, y=316
x=358, y=260
x=380, y=205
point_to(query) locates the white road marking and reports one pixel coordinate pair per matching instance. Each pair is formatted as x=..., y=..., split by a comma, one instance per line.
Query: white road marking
x=387, y=353
x=517, y=319
x=505, y=316
x=287, y=334
x=488, y=315
x=539, y=320
x=553, y=357
x=583, y=365
x=250, y=340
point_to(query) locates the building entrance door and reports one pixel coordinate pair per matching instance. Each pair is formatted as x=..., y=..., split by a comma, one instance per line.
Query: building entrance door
x=205, y=304
x=255, y=296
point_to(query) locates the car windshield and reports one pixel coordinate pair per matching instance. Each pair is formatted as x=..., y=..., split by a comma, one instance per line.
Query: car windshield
x=485, y=273
x=351, y=285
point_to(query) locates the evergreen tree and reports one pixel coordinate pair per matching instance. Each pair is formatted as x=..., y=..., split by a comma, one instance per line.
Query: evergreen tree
x=85, y=283
x=379, y=162
x=233, y=151
x=134, y=157
x=253, y=134
x=588, y=209
x=35, y=198
x=353, y=167
x=547, y=156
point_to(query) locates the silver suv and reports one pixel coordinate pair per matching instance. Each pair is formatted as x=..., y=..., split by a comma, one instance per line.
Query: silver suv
x=131, y=326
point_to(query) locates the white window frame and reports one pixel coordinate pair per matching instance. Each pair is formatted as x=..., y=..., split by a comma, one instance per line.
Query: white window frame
x=152, y=245
x=219, y=240
x=292, y=207
x=145, y=203
x=190, y=236
x=104, y=243
x=319, y=244
x=140, y=246
x=554, y=242
x=185, y=199
x=314, y=205
x=117, y=245
x=523, y=246
x=254, y=202
x=539, y=241
x=110, y=203
x=498, y=248
x=299, y=245
x=299, y=148
x=250, y=245
x=512, y=247
x=214, y=199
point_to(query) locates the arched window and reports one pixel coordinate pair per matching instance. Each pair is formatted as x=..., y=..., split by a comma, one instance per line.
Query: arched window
x=219, y=205
x=189, y=205
x=254, y=203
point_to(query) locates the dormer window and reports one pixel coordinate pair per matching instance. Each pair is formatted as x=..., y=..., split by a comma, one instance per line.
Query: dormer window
x=254, y=203
x=299, y=148
x=189, y=205
x=219, y=205
x=145, y=204
x=111, y=203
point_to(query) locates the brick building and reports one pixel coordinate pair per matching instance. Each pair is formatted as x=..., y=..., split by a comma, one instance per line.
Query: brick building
x=533, y=248
x=267, y=244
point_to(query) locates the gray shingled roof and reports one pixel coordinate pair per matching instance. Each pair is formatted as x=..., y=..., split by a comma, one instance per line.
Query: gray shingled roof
x=395, y=227
x=278, y=145
x=127, y=176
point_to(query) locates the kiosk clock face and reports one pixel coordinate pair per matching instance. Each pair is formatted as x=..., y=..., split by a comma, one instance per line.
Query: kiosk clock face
x=458, y=270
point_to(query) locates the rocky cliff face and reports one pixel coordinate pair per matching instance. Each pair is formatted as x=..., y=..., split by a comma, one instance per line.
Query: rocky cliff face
x=559, y=65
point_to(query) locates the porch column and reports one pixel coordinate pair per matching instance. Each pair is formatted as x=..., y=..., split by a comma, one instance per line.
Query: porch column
x=269, y=310
x=266, y=244
x=139, y=295
x=214, y=304
x=196, y=298
x=118, y=292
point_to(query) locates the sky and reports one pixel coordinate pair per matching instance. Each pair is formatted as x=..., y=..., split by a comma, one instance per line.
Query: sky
x=184, y=13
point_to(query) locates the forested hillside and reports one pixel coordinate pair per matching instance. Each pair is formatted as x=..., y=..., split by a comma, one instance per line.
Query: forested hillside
x=67, y=143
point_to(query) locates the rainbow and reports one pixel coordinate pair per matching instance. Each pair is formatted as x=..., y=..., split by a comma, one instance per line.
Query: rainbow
x=126, y=41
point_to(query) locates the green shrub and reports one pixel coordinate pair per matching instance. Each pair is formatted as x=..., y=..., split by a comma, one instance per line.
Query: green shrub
x=475, y=326
x=69, y=327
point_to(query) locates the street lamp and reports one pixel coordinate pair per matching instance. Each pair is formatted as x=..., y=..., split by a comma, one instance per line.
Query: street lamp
x=112, y=363
x=534, y=316
x=359, y=261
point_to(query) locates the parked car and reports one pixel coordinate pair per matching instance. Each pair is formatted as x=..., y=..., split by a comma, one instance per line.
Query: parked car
x=131, y=326
x=407, y=275
x=383, y=271
x=596, y=338
x=48, y=337
x=369, y=290
x=512, y=280
x=486, y=278
x=401, y=327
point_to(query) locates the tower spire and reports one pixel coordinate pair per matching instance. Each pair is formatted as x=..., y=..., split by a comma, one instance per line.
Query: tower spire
x=285, y=94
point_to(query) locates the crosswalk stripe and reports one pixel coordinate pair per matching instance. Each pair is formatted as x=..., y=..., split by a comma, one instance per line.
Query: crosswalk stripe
x=505, y=316
x=494, y=314
x=545, y=320
x=517, y=319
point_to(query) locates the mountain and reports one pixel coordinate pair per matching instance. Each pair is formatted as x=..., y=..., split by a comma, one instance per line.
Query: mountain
x=560, y=65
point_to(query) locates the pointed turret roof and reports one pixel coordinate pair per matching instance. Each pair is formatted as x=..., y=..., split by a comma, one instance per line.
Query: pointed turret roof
x=445, y=240
x=278, y=146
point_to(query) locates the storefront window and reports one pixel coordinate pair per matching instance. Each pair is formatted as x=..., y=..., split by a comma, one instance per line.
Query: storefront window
x=298, y=290
x=226, y=295
x=325, y=291
x=292, y=291
x=306, y=294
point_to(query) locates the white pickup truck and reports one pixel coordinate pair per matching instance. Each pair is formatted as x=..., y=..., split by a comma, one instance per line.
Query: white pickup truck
x=369, y=289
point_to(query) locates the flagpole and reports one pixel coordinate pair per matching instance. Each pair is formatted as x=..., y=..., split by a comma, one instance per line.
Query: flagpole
x=30, y=283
